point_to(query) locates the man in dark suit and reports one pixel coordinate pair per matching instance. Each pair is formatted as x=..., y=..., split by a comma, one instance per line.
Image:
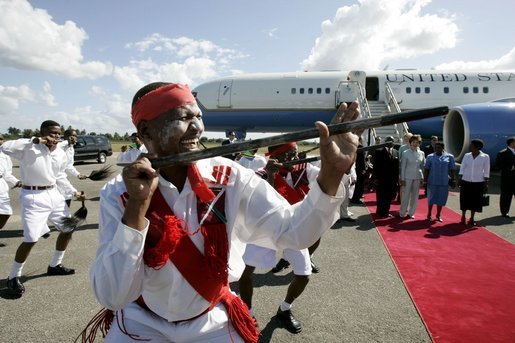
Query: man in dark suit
x=386, y=175
x=360, y=176
x=506, y=163
x=231, y=139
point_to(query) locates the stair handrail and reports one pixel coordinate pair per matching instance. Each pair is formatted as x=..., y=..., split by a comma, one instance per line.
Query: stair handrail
x=391, y=101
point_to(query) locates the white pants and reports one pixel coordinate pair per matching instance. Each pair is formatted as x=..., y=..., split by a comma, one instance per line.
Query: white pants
x=264, y=258
x=37, y=207
x=5, y=205
x=212, y=327
x=409, y=198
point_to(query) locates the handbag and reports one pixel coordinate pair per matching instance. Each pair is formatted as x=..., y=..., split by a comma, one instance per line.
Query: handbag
x=486, y=200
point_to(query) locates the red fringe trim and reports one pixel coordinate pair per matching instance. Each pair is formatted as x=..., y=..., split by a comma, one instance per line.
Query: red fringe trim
x=239, y=316
x=168, y=232
x=101, y=321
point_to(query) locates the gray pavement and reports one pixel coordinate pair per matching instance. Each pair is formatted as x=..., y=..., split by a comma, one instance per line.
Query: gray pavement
x=357, y=297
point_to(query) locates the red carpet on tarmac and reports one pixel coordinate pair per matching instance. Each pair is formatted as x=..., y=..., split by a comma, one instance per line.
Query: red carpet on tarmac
x=461, y=278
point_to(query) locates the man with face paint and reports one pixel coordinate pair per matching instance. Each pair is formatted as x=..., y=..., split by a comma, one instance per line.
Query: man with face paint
x=293, y=184
x=172, y=239
x=42, y=171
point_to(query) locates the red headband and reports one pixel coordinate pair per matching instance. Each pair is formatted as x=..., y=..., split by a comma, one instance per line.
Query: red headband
x=281, y=149
x=161, y=100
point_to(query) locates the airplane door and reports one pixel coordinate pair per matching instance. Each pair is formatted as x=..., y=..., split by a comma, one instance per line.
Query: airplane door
x=372, y=88
x=224, y=93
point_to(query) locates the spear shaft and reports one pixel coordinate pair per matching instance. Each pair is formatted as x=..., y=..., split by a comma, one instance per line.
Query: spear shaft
x=334, y=129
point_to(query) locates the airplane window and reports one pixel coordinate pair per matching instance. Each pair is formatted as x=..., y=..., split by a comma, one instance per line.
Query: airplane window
x=417, y=90
x=485, y=90
x=465, y=90
x=319, y=90
x=293, y=90
x=427, y=90
x=408, y=90
x=475, y=90
x=301, y=91
x=327, y=90
x=446, y=90
x=310, y=90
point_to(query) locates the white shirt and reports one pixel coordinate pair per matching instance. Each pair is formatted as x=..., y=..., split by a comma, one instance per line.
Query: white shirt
x=38, y=165
x=254, y=163
x=70, y=156
x=6, y=170
x=475, y=169
x=255, y=213
x=132, y=154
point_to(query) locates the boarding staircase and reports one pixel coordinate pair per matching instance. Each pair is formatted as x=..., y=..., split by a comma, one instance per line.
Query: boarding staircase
x=371, y=109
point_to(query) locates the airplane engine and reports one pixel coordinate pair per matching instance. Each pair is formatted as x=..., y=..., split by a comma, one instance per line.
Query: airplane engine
x=492, y=122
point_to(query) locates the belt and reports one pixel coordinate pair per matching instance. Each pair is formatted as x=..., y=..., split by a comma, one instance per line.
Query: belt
x=37, y=188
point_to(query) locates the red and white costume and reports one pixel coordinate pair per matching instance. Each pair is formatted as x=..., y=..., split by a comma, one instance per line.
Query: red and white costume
x=255, y=213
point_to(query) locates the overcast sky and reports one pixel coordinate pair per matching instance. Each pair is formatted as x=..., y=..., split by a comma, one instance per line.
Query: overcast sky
x=80, y=62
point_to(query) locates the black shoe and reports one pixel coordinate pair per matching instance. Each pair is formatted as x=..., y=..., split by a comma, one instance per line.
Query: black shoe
x=289, y=321
x=46, y=235
x=15, y=286
x=60, y=270
x=314, y=268
x=281, y=265
x=356, y=202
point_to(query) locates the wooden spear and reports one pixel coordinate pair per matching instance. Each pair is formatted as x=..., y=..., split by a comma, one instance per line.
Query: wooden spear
x=334, y=129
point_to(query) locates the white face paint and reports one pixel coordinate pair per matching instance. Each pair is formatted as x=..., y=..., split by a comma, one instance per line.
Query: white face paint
x=177, y=131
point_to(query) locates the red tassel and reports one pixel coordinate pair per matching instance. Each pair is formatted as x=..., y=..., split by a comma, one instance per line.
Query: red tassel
x=199, y=186
x=216, y=250
x=171, y=232
x=239, y=316
x=101, y=321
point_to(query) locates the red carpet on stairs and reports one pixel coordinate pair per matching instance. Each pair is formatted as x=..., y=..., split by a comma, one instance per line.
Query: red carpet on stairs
x=461, y=278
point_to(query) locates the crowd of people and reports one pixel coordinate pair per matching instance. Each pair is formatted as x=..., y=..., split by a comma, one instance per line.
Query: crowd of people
x=171, y=239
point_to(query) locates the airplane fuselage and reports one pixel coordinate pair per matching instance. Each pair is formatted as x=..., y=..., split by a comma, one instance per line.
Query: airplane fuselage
x=280, y=102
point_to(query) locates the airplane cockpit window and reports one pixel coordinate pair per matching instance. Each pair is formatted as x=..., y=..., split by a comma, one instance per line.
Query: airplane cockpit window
x=465, y=90
x=475, y=90
x=319, y=90
x=327, y=90
x=293, y=90
x=301, y=90
x=485, y=90
x=446, y=90
x=427, y=90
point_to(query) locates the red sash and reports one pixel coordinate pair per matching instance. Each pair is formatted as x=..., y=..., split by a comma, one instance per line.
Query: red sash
x=207, y=273
x=300, y=180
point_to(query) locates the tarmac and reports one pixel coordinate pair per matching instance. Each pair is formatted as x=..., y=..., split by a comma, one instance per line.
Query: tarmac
x=358, y=295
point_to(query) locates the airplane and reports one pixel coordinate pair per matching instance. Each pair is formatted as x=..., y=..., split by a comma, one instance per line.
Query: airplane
x=285, y=102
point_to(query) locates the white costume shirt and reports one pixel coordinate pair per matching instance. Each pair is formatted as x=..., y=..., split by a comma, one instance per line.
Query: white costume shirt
x=475, y=169
x=6, y=170
x=38, y=165
x=255, y=213
x=131, y=155
x=70, y=157
x=254, y=163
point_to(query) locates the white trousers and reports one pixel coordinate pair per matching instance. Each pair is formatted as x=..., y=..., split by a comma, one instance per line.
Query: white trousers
x=212, y=327
x=409, y=198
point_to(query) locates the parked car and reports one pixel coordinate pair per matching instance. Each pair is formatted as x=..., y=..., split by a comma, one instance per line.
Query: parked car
x=89, y=147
